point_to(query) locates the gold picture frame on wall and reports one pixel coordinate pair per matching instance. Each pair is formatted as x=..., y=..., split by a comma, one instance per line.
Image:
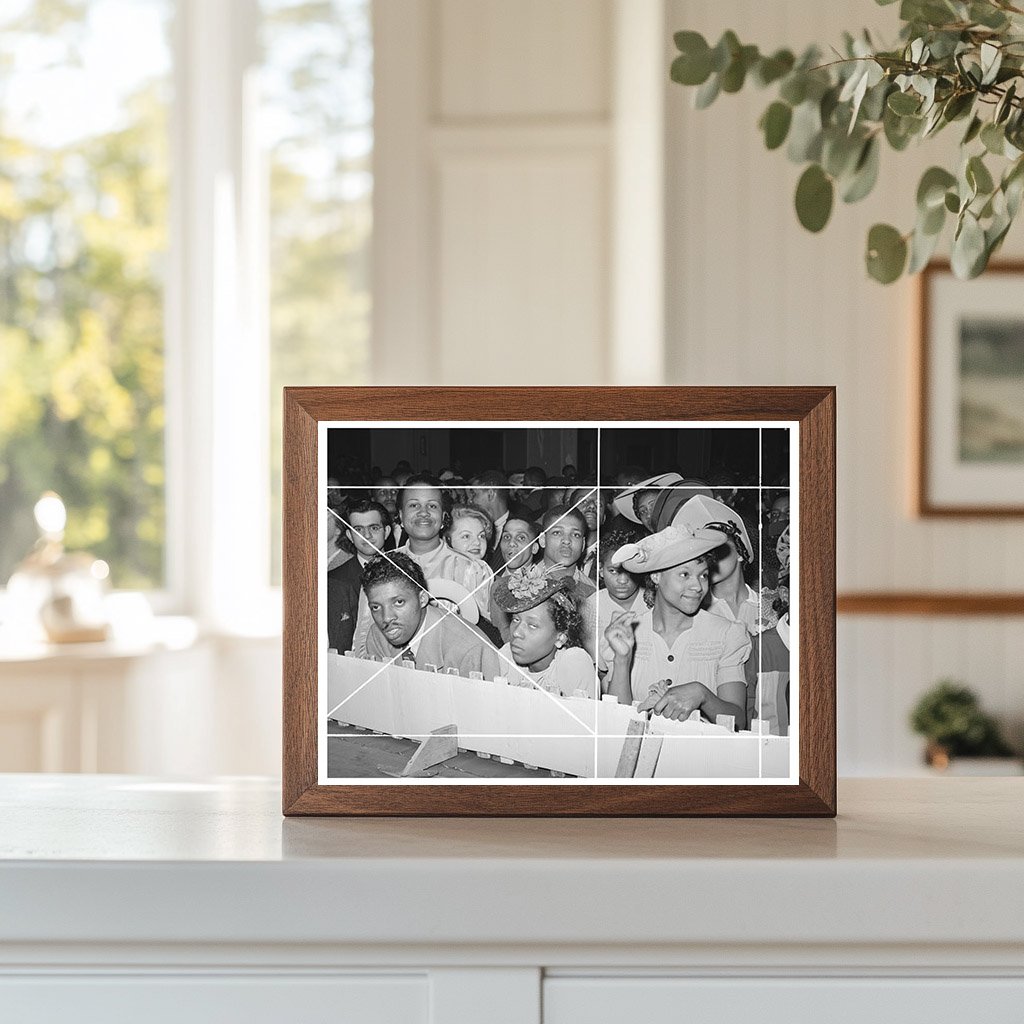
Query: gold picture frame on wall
x=969, y=448
x=355, y=742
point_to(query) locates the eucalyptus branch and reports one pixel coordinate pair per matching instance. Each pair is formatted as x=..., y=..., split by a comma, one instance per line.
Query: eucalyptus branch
x=833, y=118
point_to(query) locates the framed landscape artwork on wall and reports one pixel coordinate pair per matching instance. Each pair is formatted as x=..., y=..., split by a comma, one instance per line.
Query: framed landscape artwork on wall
x=970, y=445
x=585, y=601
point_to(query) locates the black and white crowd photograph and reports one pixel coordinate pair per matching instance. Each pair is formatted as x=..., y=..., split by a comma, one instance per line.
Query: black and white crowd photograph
x=528, y=603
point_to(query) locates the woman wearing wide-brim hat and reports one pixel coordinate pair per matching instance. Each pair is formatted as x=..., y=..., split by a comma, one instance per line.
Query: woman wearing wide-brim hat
x=731, y=596
x=677, y=658
x=545, y=633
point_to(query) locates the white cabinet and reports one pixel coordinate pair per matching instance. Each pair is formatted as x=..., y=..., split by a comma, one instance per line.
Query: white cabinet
x=202, y=999
x=127, y=898
x=824, y=1000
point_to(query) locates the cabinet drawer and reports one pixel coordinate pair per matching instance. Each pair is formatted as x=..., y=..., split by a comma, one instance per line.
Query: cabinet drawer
x=661, y=1000
x=223, y=999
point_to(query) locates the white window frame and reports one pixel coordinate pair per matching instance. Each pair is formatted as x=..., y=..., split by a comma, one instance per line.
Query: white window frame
x=217, y=353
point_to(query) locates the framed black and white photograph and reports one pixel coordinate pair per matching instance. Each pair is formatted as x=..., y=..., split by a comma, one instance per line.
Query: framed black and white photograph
x=559, y=614
x=970, y=452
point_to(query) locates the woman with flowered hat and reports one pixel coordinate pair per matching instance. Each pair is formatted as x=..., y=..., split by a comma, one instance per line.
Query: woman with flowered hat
x=677, y=658
x=545, y=632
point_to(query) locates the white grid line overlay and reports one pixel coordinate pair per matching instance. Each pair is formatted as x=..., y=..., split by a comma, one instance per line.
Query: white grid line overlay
x=791, y=427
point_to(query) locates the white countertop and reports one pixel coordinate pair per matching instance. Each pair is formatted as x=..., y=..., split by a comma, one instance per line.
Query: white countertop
x=123, y=859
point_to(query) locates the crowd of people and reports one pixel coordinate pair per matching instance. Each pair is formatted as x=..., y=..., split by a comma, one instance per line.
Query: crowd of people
x=643, y=589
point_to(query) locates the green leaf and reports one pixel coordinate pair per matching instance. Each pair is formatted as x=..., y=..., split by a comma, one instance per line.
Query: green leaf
x=900, y=130
x=736, y=73
x=978, y=176
x=972, y=132
x=987, y=15
x=805, y=133
x=873, y=106
x=775, y=124
x=991, y=60
x=693, y=65
x=968, y=256
x=707, y=93
x=771, y=69
x=931, y=222
x=958, y=105
x=952, y=202
x=904, y=103
x=814, y=194
x=887, y=253
x=794, y=89
x=839, y=151
x=1004, y=106
x=725, y=50
x=865, y=174
x=922, y=247
x=993, y=138
x=931, y=191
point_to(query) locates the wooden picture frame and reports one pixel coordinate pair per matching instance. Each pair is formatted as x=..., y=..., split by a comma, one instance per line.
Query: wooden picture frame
x=807, y=413
x=967, y=464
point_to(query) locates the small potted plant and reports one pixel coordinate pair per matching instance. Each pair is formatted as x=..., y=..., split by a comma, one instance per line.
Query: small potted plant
x=950, y=718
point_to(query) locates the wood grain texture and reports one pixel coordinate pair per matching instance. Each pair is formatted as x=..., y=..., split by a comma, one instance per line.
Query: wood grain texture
x=925, y=603
x=923, y=504
x=813, y=407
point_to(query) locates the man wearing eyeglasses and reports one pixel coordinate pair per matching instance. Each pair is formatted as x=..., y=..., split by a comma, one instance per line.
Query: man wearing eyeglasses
x=367, y=527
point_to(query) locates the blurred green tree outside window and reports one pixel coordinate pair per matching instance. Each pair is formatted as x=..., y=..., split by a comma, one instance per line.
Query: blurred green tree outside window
x=317, y=121
x=83, y=237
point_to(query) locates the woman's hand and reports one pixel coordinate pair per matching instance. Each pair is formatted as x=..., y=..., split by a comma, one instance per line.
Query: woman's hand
x=620, y=634
x=677, y=702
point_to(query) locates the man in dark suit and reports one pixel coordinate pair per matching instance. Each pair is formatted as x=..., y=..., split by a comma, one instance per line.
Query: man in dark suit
x=367, y=527
x=491, y=492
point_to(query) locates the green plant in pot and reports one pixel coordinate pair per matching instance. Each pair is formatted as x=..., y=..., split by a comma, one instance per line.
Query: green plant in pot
x=957, y=62
x=950, y=718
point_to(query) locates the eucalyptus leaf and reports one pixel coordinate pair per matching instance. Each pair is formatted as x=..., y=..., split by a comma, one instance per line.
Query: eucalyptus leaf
x=886, y=253
x=814, y=195
x=707, y=93
x=931, y=190
x=993, y=138
x=865, y=174
x=794, y=88
x=724, y=51
x=978, y=175
x=805, y=133
x=922, y=248
x=735, y=74
x=952, y=202
x=1005, y=105
x=991, y=60
x=968, y=247
x=903, y=103
x=932, y=221
x=775, y=123
x=958, y=105
x=973, y=129
x=987, y=15
x=840, y=152
x=771, y=69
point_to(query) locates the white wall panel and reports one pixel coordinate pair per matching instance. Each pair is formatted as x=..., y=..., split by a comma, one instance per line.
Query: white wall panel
x=531, y=58
x=521, y=277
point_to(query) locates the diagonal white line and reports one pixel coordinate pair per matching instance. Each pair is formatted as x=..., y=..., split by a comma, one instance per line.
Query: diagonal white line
x=392, y=661
x=535, y=686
